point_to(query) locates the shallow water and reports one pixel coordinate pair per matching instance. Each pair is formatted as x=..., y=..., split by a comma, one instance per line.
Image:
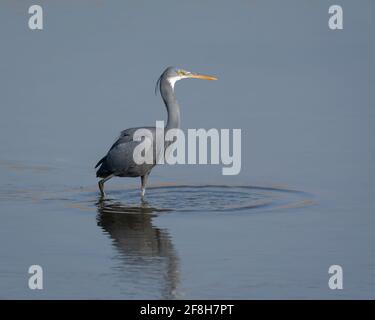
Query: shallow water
x=139, y=255
x=302, y=95
x=189, y=198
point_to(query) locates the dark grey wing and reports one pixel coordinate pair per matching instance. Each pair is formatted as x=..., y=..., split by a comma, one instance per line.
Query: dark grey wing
x=125, y=136
x=119, y=159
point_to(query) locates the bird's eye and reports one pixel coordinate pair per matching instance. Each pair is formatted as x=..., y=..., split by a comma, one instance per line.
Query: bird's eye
x=181, y=72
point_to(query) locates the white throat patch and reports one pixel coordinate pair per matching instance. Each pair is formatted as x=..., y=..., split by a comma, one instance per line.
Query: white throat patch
x=173, y=80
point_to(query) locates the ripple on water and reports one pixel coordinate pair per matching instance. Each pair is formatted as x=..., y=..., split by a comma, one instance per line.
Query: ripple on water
x=197, y=198
x=177, y=198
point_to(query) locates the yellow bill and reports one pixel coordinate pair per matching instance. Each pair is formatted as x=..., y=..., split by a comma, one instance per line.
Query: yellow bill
x=201, y=76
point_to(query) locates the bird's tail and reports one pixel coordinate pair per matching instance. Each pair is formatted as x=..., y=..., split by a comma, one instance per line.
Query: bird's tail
x=102, y=171
x=100, y=162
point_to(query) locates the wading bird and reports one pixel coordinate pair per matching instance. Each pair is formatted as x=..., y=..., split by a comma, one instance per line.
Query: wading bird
x=119, y=161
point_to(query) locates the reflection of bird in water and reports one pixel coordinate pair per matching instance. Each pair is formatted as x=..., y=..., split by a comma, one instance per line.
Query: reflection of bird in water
x=119, y=160
x=148, y=259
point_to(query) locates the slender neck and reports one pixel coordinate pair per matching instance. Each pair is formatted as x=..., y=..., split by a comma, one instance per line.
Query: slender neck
x=170, y=101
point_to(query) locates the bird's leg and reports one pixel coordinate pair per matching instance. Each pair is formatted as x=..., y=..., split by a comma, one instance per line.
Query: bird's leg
x=101, y=185
x=101, y=188
x=144, y=182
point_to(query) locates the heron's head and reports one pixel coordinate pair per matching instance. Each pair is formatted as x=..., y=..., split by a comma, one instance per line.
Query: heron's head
x=172, y=74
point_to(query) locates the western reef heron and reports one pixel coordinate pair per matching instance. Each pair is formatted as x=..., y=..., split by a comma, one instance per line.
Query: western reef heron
x=119, y=161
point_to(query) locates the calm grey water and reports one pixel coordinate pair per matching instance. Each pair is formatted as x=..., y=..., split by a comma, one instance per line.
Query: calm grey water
x=302, y=94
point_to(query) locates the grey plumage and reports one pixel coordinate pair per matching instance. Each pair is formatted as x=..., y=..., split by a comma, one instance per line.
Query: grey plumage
x=119, y=159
